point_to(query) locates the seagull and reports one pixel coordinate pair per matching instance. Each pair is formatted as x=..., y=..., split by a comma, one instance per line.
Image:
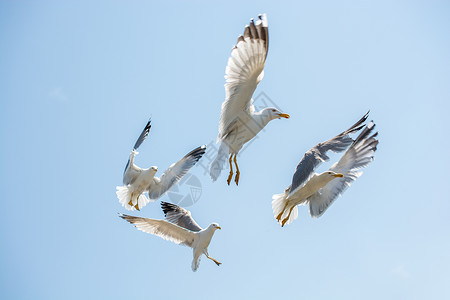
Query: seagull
x=320, y=190
x=137, y=181
x=180, y=228
x=239, y=122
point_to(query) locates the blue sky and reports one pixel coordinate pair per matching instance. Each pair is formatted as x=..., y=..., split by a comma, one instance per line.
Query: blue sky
x=79, y=79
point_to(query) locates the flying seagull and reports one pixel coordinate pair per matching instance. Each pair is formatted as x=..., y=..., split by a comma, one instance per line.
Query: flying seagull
x=137, y=181
x=320, y=190
x=180, y=228
x=239, y=122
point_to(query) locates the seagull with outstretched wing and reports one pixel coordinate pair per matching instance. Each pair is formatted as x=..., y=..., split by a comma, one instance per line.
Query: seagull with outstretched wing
x=239, y=122
x=320, y=190
x=131, y=170
x=180, y=228
x=137, y=181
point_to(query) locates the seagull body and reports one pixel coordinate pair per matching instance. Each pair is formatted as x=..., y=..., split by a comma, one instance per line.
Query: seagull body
x=239, y=122
x=137, y=181
x=320, y=190
x=180, y=228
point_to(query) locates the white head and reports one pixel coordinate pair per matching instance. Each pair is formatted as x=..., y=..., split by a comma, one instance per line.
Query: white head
x=214, y=226
x=322, y=179
x=331, y=175
x=154, y=169
x=272, y=113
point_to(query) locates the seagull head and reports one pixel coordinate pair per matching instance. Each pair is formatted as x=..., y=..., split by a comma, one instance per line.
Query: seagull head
x=274, y=113
x=154, y=169
x=214, y=226
x=333, y=175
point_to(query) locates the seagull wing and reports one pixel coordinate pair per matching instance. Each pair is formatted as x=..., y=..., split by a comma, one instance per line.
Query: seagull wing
x=359, y=155
x=174, y=173
x=138, y=143
x=163, y=229
x=131, y=173
x=179, y=216
x=143, y=135
x=245, y=69
x=318, y=154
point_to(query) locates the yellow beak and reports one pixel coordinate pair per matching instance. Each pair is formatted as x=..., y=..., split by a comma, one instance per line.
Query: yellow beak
x=285, y=116
x=338, y=175
x=218, y=227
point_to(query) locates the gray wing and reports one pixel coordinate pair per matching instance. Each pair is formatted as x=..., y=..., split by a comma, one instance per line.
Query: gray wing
x=174, y=173
x=163, y=229
x=139, y=141
x=132, y=172
x=245, y=69
x=179, y=216
x=318, y=154
x=359, y=155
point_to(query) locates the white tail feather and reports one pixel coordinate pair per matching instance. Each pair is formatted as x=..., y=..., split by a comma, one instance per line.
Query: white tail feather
x=143, y=201
x=124, y=195
x=280, y=205
x=219, y=161
x=292, y=217
x=196, y=262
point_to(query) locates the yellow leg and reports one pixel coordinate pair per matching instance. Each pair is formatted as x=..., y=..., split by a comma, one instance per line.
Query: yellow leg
x=137, y=204
x=287, y=218
x=131, y=200
x=281, y=213
x=236, y=179
x=231, y=170
x=214, y=260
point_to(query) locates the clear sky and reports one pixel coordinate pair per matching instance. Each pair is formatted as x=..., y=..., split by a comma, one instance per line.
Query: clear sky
x=79, y=79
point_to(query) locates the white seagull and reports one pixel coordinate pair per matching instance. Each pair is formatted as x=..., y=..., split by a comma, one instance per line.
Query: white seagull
x=180, y=228
x=137, y=181
x=320, y=190
x=239, y=122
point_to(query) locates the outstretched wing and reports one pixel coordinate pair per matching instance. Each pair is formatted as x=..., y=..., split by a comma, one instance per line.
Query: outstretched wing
x=179, y=216
x=143, y=135
x=359, y=155
x=174, y=173
x=138, y=143
x=163, y=229
x=318, y=154
x=131, y=170
x=243, y=72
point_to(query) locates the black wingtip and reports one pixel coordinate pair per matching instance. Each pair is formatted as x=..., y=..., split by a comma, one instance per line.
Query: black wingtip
x=143, y=134
x=366, y=131
x=358, y=125
x=197, y=153
x=168, y=207
x=148, y=125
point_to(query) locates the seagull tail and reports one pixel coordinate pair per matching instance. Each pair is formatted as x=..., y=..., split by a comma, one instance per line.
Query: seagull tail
x=196, y=262
x=124, y=195
x=281, y=207
x=219, y=161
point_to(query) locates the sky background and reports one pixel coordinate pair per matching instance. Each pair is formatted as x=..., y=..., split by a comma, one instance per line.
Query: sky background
x=79, y=80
